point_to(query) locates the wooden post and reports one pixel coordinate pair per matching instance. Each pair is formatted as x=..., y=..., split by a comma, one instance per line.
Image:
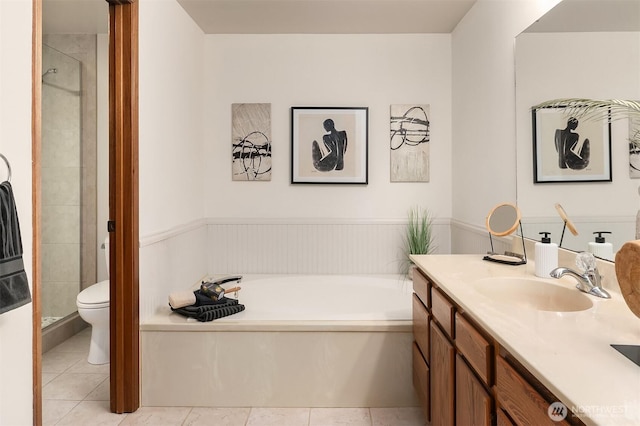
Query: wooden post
x=123, y=205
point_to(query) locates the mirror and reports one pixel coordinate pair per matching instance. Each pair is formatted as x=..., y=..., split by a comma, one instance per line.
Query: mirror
x=501, y=221
x=568, y=224
x=579, y=49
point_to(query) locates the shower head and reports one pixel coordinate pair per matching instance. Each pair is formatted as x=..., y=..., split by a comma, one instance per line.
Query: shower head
x=50, y=71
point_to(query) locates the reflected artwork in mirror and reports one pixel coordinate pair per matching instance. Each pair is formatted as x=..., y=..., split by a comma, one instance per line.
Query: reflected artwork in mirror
x=579, y=50
x=502, y=221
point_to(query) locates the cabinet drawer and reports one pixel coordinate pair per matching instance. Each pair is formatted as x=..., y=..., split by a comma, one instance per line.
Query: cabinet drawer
x=442, y=310
x=519, y=399
x=421, y=382
x=421, y=326
x=422, y=287
x=474, y=347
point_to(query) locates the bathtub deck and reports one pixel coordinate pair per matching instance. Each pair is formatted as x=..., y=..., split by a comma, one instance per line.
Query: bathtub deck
x=277, y=363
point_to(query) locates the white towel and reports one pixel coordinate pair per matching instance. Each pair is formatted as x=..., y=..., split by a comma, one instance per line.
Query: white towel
x=180, y=299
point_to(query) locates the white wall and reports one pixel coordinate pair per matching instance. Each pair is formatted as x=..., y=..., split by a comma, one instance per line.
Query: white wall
x=16, y=385
x=172, y=166
x=484, y=148
x=374, y=71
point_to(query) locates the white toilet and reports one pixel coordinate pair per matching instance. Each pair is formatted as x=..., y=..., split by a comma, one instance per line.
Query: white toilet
x=93, y=307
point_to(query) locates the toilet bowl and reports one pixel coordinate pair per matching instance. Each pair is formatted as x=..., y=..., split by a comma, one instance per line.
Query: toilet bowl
x=93, y=307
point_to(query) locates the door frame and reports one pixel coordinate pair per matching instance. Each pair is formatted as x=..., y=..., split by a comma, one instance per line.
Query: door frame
x=123, y=206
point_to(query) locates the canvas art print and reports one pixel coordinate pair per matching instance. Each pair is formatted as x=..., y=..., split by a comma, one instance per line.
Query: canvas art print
x=410, y=135
x=329, y=145
x=251, y=142
x=567, y=149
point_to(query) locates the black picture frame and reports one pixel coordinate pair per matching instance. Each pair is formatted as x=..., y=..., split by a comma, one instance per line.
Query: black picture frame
x=570, y=149
x=329, y=145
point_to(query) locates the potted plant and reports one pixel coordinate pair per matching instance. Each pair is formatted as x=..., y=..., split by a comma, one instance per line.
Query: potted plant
x=418, y=238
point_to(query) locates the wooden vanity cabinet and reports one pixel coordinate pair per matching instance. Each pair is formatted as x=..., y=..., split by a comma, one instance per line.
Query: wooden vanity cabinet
x=457, y=393
x=462, y=375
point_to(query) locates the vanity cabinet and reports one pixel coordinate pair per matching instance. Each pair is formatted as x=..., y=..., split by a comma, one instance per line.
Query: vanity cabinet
x=462, y=375
x=454, y=355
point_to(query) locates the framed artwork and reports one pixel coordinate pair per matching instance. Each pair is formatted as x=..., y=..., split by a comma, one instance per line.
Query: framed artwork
x=329, y=145
x=251, y=142
x=634, y=148
x=567, y=149
x=409, y=143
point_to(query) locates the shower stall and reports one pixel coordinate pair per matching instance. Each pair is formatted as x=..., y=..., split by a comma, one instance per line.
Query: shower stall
x=68, y=179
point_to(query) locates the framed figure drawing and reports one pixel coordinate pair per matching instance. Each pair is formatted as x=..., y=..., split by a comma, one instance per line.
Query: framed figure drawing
x=570, y=149
x=329, y=145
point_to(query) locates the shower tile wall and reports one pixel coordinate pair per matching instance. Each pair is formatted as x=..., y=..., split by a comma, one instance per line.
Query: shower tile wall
x=68, y=172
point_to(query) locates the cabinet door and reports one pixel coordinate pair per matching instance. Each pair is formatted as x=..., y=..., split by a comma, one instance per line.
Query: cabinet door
x=473, y=402
x=442, y=368
x=421, y=381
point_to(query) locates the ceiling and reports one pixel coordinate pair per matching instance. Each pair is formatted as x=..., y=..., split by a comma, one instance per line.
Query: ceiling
x=326, y=16
x=343, y=16
x=278, y=16
x=589, y=16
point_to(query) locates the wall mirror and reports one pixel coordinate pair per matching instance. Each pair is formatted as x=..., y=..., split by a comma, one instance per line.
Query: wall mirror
x=579, y=49
x=503, y=220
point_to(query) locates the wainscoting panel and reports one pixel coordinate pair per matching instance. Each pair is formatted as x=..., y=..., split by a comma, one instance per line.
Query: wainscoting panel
x=318, y=247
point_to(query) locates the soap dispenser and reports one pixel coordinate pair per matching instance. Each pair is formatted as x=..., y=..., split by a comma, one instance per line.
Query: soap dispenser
x=600, y=247
x=546, y=256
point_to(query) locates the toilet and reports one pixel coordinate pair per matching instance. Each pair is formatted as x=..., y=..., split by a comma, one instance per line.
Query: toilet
x=93, y=307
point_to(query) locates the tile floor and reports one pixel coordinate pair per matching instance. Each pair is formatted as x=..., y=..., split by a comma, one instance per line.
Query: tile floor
x=77, y=393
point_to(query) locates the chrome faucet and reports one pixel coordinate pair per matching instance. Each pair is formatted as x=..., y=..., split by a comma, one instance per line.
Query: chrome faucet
x=590, y=281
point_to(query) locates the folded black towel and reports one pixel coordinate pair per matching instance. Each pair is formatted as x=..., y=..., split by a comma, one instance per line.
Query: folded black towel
x=212, y=311
x=14, y=287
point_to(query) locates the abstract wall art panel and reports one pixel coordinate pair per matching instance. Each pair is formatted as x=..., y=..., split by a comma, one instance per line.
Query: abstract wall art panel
x=410, y=135
x=251, y=142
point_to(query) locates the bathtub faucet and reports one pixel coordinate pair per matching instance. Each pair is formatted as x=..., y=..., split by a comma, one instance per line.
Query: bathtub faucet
x=227, y=279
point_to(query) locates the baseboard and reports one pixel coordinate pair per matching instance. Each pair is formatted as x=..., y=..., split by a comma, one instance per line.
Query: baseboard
x=62, y=330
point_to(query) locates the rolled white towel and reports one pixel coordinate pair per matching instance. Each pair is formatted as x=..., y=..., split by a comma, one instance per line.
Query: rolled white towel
x=180, y=299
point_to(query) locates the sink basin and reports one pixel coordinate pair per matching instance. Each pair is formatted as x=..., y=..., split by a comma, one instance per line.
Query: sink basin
x=530, y=293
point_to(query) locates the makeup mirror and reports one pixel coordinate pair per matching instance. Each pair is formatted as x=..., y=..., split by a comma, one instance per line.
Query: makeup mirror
x=501, y=221
x=567, y=223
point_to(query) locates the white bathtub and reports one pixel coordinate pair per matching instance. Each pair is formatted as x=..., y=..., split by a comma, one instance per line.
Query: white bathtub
x=324, y=298
x=302, y=341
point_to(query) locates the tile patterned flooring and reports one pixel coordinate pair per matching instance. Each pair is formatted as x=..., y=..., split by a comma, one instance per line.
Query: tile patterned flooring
x=77, y=393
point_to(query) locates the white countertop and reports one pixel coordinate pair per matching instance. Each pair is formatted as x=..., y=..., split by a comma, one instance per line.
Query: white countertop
x=569, y=352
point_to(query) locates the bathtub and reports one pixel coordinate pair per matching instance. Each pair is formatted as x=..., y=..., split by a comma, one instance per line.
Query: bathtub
x=302, y=341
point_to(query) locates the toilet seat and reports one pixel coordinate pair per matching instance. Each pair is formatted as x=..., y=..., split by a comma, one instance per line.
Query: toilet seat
x=95, y=296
